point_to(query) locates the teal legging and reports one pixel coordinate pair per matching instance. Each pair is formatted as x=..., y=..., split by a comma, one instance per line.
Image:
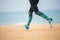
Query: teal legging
x=34, y=8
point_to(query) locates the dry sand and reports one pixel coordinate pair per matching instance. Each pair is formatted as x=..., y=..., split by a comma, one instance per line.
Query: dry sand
x=36, y=32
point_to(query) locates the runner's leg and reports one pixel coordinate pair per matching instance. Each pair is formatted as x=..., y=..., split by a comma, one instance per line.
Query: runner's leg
x=42, y=15
x=29, y=19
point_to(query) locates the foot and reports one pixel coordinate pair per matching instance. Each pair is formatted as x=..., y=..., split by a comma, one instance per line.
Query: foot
x=50, y=22
x=26, y=27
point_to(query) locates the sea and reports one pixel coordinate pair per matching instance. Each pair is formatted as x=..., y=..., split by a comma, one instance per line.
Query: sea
x=22, y=17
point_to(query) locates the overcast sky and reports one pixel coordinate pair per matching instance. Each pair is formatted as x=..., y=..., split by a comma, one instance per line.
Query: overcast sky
x=23, y=5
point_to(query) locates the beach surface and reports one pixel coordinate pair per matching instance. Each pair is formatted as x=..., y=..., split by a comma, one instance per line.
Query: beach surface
x=36, y=32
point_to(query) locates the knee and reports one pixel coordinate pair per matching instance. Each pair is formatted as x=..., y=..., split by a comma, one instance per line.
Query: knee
x=38, y=13
x=30, y=14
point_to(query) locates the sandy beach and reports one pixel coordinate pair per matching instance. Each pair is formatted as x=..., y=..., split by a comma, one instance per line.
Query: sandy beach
x=36, y=32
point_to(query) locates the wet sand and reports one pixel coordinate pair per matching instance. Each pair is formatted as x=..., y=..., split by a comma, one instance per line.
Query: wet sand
x=36, y=32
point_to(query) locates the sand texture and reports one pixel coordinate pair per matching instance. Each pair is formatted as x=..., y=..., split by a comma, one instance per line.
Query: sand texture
x=36, y=32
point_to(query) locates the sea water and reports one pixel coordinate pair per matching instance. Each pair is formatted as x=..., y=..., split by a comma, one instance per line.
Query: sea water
x=22, y=17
